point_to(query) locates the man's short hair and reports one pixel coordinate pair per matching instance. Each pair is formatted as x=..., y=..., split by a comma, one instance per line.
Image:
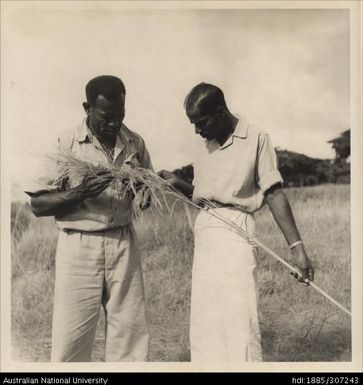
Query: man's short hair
x=203, y=92
x=111, y=87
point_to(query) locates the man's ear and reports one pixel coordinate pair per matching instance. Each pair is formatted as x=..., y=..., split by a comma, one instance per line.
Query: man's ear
x=221, y=110
x=86, y=107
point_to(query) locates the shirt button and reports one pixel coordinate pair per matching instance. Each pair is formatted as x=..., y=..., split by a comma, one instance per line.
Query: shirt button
x=115, y=208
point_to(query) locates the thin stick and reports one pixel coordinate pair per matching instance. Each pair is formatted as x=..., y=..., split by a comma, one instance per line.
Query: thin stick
x=317, y=288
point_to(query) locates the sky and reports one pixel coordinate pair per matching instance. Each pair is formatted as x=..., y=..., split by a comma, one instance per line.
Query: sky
x=285, y=71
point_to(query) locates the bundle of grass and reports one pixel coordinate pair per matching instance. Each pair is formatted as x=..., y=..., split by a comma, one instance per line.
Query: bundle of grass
x=144, y=186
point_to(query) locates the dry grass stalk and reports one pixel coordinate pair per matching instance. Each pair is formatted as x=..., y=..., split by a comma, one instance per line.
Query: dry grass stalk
x=146, y=187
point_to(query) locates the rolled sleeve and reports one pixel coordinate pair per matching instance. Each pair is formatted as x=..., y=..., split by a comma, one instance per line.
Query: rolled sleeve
x=268, y=172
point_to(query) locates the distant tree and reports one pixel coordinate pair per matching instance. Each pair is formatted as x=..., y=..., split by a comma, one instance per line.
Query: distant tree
x=325, y=172
x=297, y=169
x=341, y=145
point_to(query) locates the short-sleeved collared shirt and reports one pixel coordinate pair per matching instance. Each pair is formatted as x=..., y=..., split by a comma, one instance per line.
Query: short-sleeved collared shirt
x=240, y=171
x=108, y=210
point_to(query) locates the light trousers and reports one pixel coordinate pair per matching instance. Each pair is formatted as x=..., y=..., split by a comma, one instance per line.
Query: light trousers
x=224, y=320
x=94, y=270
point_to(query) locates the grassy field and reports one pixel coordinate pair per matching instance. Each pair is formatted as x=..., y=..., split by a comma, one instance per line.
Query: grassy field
x=297, y=323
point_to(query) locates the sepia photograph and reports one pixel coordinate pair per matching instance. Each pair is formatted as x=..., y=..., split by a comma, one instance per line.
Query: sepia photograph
x=181, y=186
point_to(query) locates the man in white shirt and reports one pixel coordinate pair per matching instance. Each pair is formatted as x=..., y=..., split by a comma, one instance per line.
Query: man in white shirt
x=237, y=171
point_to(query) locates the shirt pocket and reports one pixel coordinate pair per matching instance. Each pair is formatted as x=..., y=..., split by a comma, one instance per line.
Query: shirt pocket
x=133, y=159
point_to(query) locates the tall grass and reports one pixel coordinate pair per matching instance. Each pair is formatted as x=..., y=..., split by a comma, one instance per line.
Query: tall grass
x=32, y=261
x=297, y=323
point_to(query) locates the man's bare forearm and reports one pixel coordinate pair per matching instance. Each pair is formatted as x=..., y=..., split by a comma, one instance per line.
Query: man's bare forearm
x=52, y=203
x=178, y=183
x=282, y=213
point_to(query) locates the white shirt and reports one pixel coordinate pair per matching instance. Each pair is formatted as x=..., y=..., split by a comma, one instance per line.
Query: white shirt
x=238, y=172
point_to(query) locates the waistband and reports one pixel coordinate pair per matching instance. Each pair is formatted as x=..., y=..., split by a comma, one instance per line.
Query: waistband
x=216, y=204
x=96, y=232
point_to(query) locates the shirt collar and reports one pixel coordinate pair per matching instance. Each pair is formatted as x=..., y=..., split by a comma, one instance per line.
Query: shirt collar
x=122, y=138
x=125, y=134
x=84, y=134
x=240, y=131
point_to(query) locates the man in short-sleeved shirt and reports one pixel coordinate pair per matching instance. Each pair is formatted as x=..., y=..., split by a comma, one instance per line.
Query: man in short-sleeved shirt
x=97, y=259
x=237, y=171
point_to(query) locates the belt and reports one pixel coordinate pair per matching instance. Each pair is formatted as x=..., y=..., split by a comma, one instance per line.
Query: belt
x=93, y=232
x=216, y=204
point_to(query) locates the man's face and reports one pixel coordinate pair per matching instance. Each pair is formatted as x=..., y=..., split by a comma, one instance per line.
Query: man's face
x=105, y=117
x=207, y=124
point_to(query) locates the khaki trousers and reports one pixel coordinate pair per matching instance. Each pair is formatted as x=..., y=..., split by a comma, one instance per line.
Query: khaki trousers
x=224, y=321
x=94, y=269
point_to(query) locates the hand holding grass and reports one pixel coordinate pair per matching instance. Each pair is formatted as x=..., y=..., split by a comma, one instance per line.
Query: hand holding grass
x=169, y=177
x=177, y=183
x=94, y=183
